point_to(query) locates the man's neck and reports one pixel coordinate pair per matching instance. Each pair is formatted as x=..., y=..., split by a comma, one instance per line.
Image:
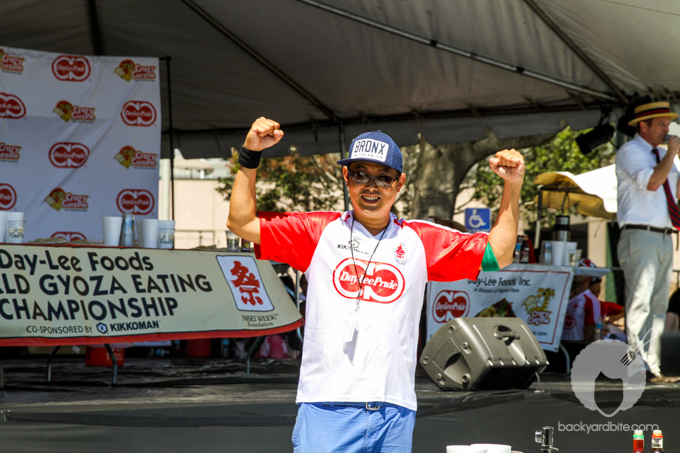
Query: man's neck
x=375, y=228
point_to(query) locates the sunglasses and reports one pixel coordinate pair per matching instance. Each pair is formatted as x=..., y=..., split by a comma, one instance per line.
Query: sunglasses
x=381, y=180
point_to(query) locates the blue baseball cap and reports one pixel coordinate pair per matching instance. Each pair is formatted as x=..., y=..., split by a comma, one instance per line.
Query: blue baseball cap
x=374, y=147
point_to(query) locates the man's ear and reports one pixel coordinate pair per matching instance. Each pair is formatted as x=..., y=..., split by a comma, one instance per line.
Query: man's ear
x=401, y=182
x=345, y=175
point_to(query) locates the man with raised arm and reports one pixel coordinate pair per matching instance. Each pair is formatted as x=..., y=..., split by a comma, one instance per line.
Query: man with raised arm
x=366, y=273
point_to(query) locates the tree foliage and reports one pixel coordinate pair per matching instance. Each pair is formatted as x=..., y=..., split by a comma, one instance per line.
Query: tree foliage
x=314, y=183
x=560, y=154
x=293, y=183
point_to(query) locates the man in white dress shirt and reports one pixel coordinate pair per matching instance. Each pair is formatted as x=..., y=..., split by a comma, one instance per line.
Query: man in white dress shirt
x=645, y=248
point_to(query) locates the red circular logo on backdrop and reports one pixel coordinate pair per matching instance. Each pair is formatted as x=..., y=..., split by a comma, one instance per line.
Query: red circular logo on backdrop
x=449, y=304
x=69, y=235
x=382, y=282
x=71, y=69
x=69, y=155
x=138, y=113
x=136, y=201
x=8, y=197
x=11, y=106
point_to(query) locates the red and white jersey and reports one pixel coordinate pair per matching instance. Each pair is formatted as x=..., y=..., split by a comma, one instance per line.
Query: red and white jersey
x=395, y=270
x=582, y=310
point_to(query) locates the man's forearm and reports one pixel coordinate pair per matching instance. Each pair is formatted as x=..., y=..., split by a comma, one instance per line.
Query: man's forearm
x=503, y=235
x=242, y=218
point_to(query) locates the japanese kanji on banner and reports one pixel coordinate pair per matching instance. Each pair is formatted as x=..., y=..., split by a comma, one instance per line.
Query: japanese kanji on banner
x=61, y=295
x=79, y=139
x=537, y=294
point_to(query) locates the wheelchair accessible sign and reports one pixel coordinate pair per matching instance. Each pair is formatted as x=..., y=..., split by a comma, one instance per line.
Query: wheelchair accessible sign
x=478, y=220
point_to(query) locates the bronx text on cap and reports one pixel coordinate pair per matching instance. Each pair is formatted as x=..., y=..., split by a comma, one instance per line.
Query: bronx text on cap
x=370, y=149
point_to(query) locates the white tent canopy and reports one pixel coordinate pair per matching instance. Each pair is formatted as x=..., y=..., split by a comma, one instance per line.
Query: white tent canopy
x=330, y=69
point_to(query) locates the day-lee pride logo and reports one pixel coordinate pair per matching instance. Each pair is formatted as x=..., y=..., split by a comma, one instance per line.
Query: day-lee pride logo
x=70, y=68
x=69, y=112
x=129, y=70
x=8, y=197
x=130, y=157
x=69, y=155
x=382, y=282
x=9, y=63
x=138, y=113
x=9, y=153
x=69, y=235
x=450, y=304
x=11, y=106
x=136, y=201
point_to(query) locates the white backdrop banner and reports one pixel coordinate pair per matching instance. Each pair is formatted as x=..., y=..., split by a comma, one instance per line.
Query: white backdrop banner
x=537, y=294
x=79, y=139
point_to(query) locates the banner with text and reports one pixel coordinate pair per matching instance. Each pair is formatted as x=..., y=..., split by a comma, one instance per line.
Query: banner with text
x=57, y=295
x=537, y=294
x=80, y=139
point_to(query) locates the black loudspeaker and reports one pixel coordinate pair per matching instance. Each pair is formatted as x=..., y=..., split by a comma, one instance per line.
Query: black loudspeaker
x=483, y=353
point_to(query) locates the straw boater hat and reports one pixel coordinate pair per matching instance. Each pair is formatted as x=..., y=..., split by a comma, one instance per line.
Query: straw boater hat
x=652, y=110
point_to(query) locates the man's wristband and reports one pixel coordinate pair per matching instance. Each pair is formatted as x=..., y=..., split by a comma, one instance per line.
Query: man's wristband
x=248, y=158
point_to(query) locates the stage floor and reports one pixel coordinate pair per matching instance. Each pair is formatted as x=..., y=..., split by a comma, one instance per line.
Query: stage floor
x=212, y=405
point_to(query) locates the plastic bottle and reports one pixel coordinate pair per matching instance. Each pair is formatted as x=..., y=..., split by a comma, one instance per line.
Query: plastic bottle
x=518, y=250
x=547, y=253
x=638, y=441
x=598, y=328
x=657, y=441
x=127, y=231
x=524, y=251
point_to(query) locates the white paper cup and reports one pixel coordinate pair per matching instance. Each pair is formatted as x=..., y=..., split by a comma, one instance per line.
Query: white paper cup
x=494, y=448
x=571, y=248
x=149, y=233
x=111, y=226
x=559, y=253
x=166, y=234
x=15, y=231
x=465, y=449
x=3, y=225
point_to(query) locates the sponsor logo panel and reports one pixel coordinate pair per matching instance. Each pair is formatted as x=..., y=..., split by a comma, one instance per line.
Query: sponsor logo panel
x=71, y=68
x=59, y=199
x=11, y=106
x=69, y=112
x=138, y=113
x=9, y=153
x=136, y=201
x=69, y=155
x=129, y=70
x=9, y=63
x=449, y=304
x=130, y=157
x=8, y=197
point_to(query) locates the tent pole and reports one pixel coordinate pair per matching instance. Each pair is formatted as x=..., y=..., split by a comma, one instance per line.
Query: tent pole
x=168, y=59
x=537, y=235
x=345, y=193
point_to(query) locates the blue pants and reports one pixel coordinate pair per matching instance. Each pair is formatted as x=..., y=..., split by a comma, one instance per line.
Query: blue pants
x=353, y=427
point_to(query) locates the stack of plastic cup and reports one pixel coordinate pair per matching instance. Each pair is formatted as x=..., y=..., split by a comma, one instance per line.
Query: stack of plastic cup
x=14, y=230
x=166, y=234
x=3, y=225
